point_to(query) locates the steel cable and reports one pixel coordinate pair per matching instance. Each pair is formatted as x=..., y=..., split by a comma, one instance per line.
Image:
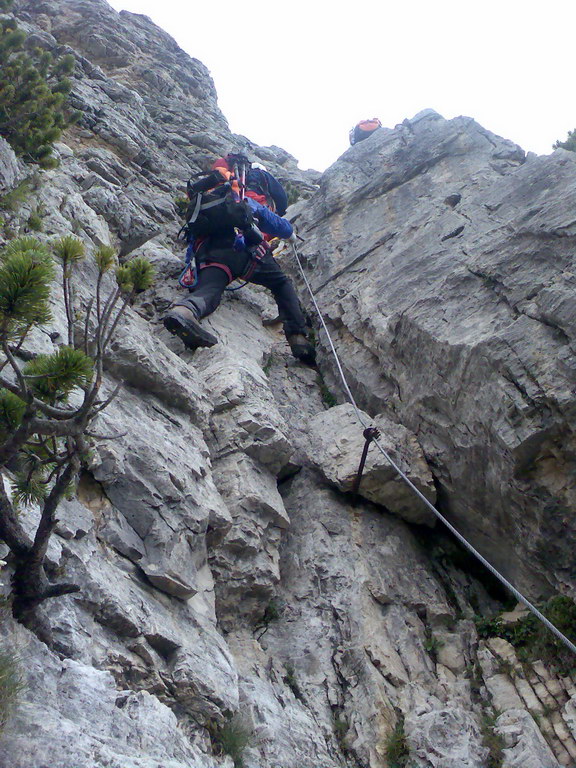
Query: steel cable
x=518, y=595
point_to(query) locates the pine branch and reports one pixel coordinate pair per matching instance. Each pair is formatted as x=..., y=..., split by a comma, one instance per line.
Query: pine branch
x=47, y=410
x=58, y=466
x=48, y=428
x=109, y=306
x=121, y=312
x=24, y=392
x=48, y=520
x=101, y=406
x=17, y=440
x=71, y=323
x=16, y=349
x=22, y=435
x=98, y=297
x=86, y=324
x=90, y=395
x=11, y=532
x=66, y=287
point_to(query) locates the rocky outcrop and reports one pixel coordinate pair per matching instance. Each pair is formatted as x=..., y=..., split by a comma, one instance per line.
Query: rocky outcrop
x=336, y=444
x=442, y=257
x=228, y=579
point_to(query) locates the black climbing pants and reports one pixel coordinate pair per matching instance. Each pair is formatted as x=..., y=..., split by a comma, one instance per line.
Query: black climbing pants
x=212, y=281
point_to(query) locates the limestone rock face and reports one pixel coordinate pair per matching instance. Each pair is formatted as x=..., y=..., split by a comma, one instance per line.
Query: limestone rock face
x=10, y=171
x=225, y=574
x=65, y=701
x=337, y=443
x=443, y=260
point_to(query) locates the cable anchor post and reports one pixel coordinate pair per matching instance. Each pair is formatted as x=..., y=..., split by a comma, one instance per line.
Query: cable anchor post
x=370, y=433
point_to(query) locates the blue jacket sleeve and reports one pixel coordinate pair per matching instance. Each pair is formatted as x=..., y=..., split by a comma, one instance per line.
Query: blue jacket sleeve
x=278, y=193
x=269, y=222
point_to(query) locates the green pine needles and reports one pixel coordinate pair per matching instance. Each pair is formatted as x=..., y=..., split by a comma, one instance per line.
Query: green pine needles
x=135, y=276
x=233, y=738
x=44, y=440
x=69, y=250
x=34, y=90
x=26, y=271
x=53, y=377
x=397, y=752
x=105, y=258
x=13, y=199
x=12, y=409
x=569, y=143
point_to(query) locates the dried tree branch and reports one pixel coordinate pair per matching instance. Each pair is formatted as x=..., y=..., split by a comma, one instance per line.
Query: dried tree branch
x=48, y=520
x=15, y=442
x=121, y=312
x=101, y=406
x=86, y=324
x=11, y=530
x=67, y=289
x=24, y=391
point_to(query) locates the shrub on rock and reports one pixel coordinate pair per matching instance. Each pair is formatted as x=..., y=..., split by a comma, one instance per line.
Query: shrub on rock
x=33, y=95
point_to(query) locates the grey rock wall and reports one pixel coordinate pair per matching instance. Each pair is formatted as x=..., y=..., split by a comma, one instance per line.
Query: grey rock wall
x=443, y=258
x=226, y=574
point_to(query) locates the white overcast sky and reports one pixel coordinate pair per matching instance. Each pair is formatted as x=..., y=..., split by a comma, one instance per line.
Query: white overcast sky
x=301, y=73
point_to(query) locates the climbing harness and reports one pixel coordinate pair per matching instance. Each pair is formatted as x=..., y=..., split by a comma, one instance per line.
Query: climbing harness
x=256, y=254
x=518, y=595
x=189, y=275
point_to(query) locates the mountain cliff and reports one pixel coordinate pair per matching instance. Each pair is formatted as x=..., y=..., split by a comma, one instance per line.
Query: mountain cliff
x=237, y=604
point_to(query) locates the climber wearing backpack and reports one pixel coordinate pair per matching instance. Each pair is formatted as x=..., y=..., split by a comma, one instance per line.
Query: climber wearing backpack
x=230, y=217
x=363, y=129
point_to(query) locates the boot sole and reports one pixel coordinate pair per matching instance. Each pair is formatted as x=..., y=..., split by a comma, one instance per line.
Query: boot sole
x=190, y=332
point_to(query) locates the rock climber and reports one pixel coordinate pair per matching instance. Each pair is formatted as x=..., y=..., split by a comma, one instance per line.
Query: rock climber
x=229, y=252
x=363, y=129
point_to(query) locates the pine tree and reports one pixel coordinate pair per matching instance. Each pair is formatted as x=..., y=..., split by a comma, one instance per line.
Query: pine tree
x=33, y=95
x=43, y=439
x=569, y=143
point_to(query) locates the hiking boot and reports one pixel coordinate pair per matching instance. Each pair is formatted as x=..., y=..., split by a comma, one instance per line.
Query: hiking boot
x=301, y=348
x=182, y=322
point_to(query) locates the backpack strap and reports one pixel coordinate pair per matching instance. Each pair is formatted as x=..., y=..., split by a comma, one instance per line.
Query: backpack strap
x=211, y=204
x=199, y=206
x=194, y=215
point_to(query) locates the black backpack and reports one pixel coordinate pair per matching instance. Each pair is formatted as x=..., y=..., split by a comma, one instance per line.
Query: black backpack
x=214, y=209
x=265, y=184
x=363, y=129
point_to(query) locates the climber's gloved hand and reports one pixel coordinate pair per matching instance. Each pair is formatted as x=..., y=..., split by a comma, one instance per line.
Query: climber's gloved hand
x=293, y=239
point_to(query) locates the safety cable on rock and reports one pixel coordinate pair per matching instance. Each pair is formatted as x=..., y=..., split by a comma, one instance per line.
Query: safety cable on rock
x=518, y=595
